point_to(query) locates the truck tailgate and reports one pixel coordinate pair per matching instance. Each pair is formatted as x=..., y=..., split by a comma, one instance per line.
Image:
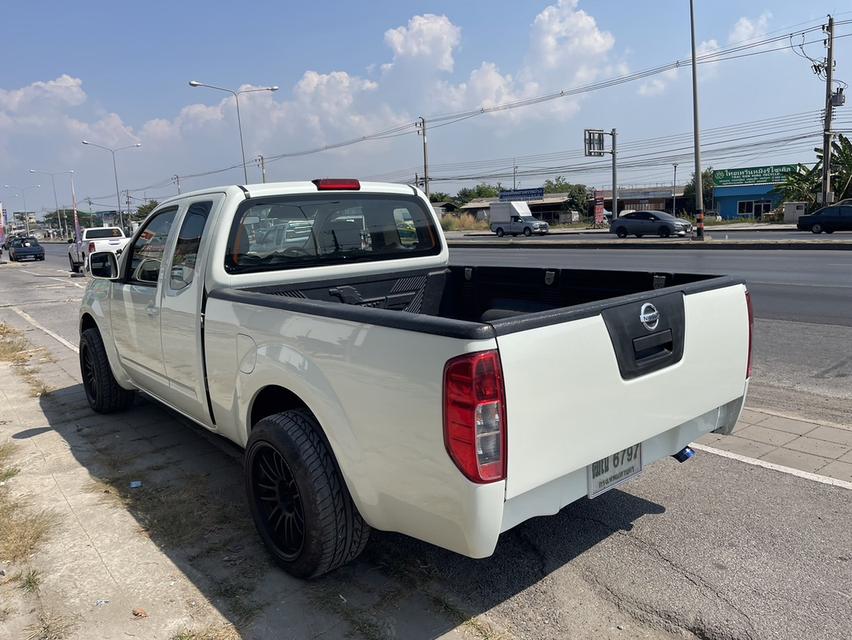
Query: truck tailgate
x=583, y=387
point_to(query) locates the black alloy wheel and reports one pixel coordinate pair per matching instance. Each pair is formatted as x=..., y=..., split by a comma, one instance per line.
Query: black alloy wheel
x=87, y=368
x=527, y=232
x=278, y=501
x=665, y=232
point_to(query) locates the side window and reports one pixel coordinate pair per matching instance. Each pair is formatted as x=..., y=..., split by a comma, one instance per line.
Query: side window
x=405, y=227
x=146, y=254
x=188, y=241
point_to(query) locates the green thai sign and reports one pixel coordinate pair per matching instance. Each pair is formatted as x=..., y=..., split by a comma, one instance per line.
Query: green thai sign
x=772, y=174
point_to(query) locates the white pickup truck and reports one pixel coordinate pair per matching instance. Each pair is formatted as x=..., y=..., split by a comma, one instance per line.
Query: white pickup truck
x=93, y=240
x=373, y=385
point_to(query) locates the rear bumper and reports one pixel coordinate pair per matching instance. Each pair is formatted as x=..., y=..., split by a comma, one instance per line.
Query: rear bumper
x=549, y=498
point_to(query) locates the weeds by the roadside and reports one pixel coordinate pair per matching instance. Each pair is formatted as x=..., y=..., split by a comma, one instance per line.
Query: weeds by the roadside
x=29, y=582
x=50, y=626
x=464, y=222
x=226, y=632
x=11, y=343
x=21, y=530
x=14, y=348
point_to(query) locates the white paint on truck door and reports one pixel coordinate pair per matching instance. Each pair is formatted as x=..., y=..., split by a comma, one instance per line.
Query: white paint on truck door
x=183, y=286
x=135, y=306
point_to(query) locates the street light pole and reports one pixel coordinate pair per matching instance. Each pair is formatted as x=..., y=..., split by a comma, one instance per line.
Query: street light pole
x=699, y=186
x=115, y=172
x=674, y=190
x=61, y=218
x=23, y=196
x=236, y=94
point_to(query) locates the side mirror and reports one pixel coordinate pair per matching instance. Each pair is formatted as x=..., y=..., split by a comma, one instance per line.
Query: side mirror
x=103, y=265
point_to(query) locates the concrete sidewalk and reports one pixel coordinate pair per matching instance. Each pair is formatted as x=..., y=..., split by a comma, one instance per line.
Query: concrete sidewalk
x=799, y=444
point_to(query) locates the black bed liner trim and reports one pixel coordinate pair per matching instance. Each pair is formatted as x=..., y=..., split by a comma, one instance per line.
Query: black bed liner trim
x=460, y=329
x=505, y=326
x=382, y=317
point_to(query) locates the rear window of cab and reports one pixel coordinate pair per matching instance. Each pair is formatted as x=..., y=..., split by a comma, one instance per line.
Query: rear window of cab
x=287, y=232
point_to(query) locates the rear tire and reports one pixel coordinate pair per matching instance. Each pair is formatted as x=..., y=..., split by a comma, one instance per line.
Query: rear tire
x=74, y=267
x=499, y=232
x=621, y=232
x=817, y=228
x=298, y=499
x=103, y=393
x=828, y=230
x=665, y=232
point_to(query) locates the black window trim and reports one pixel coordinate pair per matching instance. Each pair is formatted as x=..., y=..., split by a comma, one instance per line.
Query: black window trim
x=126, y=279
x=297, y=197
x=186, y=214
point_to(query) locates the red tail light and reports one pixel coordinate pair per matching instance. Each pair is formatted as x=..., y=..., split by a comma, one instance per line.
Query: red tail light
x=91, y=247
x=337, y=184
x=750, y=331
x=475, y=415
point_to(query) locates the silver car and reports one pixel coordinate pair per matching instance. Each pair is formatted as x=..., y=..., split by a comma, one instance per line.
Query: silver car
x=649, y=223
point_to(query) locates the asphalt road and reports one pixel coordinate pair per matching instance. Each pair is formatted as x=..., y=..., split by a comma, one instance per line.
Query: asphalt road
x=718, y=234
x=802, y=302
x=714, y=548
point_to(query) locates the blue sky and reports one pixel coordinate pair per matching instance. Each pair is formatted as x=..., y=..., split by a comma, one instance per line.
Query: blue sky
x=117, y=73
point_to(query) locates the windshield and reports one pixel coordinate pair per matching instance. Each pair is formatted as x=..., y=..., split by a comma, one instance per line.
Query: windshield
x=113, y=232
x=26, y=242
x=287, y=232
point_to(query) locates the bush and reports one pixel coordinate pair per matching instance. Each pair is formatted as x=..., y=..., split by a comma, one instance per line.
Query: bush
x=464, y=222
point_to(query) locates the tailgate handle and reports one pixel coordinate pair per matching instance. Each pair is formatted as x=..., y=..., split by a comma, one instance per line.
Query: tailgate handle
x=650, y=349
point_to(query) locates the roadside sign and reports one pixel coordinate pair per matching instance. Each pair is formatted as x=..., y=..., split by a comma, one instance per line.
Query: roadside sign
x=770, y=174
x=522, y=194
x=593, y=142
x=599, y=208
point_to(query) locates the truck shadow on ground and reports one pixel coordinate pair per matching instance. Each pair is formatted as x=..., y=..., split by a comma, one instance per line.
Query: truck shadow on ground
x=191, y=504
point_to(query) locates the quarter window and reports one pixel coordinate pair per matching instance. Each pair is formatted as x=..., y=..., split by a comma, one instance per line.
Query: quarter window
x=146, y=254
x=188, y=241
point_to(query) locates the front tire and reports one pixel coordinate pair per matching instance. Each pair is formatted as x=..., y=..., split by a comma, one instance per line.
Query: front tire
x=74, y=267
x=499, y=232
x=527, y=232
x=103, y=393
x=298, y=499
x=665, y=232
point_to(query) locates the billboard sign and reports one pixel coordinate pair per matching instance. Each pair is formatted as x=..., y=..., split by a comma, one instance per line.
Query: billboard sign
x=770, y=174
x=599, y=208
x=522, y=195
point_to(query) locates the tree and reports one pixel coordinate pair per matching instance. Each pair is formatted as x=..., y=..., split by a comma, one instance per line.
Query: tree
x=482, y=190
x=707, y=184
x=577, y=194
x=144, y=209
x=440, y=196
x=805, y=185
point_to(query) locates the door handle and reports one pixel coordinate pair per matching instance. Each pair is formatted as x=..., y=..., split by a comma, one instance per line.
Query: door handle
x=152, y=311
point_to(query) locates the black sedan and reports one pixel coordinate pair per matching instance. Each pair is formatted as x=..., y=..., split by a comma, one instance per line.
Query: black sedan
x=25, y=249
x=837, y=217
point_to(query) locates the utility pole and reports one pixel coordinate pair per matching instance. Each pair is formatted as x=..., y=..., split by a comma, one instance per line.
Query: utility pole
x=674, y=190
x=514, y=175
x=176, y=180
x=696, y=141
x=614, y=178
x=425, y=157
x=827, y=195
x=262, y=164
x=127, y=196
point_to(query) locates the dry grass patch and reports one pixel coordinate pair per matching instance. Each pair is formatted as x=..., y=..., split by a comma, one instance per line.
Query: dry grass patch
x=464, y=222
x=50, y=626
x=226, y=632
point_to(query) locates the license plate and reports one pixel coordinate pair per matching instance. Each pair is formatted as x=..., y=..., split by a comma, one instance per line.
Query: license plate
x=611, y=471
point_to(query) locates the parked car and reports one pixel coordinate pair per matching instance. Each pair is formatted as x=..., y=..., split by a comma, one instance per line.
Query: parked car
x=649, y=223
x=374, y=385
x=836, y=217
x=26, y=248
x=514, y=218
x=95, y=239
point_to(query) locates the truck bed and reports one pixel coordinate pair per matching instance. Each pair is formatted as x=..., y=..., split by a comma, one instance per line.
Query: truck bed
x=472, y=302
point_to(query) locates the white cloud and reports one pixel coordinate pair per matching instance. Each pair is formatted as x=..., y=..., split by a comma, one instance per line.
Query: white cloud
x=658, y=84
x=64, y=91
x=749, y=29
x=428, y=37
x=561, y=34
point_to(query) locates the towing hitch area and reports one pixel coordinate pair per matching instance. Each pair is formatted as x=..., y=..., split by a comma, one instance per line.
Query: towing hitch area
x=684, y=454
